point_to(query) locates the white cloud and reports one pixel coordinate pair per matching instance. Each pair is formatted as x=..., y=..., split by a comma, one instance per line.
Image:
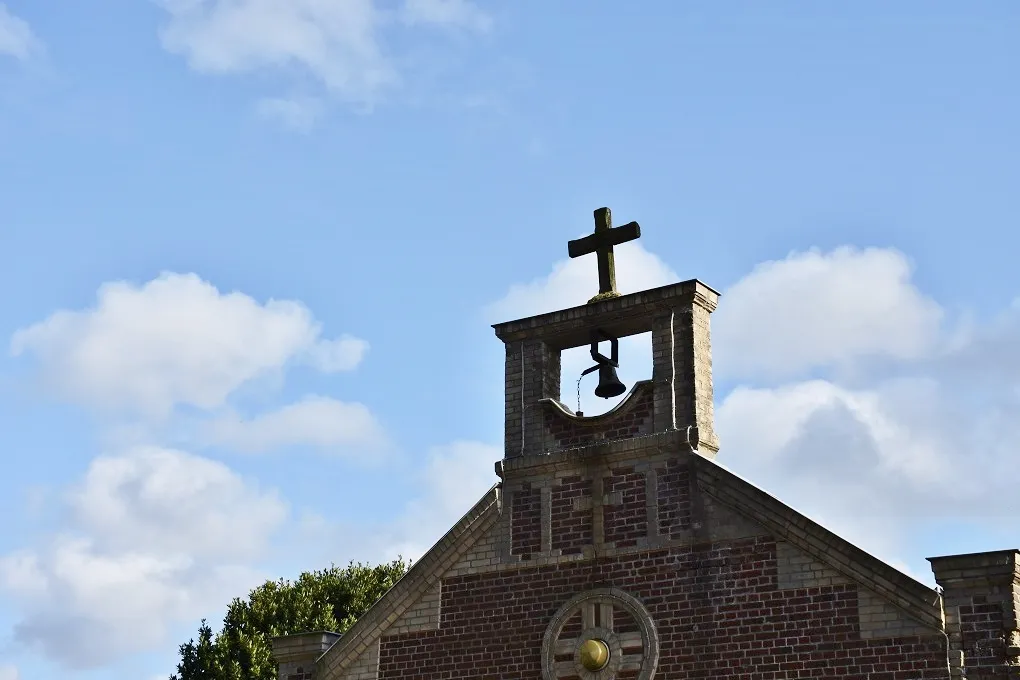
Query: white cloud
x=819, y=449
x=9, y=672
x=16, y=37
x=175, y=341
x=295, y=113
x=315, y=421
x=452, y=481
x=456, y=13
x=882, y=462
x=449, y=482
x=201, y=507
x=155, y=538
x=816, y=309
x=878, y=460
x=338, y=43
x=573, y=281
x=343, y=354
x=863, y=432
x=100, y=606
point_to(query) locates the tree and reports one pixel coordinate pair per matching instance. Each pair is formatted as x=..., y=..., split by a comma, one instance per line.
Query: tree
x=331, y=599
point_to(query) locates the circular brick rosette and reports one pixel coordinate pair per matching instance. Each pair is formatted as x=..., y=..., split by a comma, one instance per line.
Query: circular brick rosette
x=617, y=622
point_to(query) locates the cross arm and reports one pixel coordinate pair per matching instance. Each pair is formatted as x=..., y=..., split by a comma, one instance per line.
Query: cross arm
x=600, y=239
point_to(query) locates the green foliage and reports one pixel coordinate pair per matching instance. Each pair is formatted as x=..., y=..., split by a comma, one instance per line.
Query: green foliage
x=331, y=599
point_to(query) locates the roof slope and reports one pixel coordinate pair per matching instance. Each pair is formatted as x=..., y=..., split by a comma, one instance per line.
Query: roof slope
x=419, y=578
x=913, y=597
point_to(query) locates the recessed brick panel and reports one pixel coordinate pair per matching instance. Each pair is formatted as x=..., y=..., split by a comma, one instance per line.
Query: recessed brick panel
x=674, y=499
x=717, y=607
x=627, y=521
x=526, y=522
x=571, y=526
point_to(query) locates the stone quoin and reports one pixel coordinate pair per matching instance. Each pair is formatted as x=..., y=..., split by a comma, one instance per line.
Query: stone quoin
x=616, y=547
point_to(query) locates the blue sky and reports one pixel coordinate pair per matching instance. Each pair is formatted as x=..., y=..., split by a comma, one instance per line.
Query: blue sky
x=251, y=251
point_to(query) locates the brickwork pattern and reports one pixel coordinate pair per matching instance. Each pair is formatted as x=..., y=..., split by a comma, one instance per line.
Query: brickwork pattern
x=682, y=368
x=673, y=499
x=981, y=634
x=982, y=611
x=626, y=522
x=484, y=554
x=677, y=317
x=422, y=615
x=718, y=609
x=797, y=569
x=526, y=522
x=632, y=418
x=879, y=619
x=570, y=519
x=532, y=374
x=366, y=666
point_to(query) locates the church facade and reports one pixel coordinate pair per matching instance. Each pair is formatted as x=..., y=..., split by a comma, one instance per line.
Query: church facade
x=616, y=547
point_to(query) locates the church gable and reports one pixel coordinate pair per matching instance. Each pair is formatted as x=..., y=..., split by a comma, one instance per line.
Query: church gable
x=615, y=548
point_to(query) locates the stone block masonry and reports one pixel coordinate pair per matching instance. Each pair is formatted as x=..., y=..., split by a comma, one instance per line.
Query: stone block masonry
x=981, y=601
x=681, y=387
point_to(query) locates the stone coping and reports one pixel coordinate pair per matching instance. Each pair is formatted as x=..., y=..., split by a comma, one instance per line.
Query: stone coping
x=619, y=317
x=302, y=646
x=672, y=440
x=636, y=389
x=1004, y=564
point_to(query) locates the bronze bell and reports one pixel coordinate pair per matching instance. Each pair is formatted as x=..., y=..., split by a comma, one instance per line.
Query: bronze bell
x=609, y=385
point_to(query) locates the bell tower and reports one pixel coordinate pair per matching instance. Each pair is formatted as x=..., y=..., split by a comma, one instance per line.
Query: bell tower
x=678, y=398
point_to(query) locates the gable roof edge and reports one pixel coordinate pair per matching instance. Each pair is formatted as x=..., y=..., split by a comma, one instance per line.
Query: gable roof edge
x=904, y=592
x=419, y=578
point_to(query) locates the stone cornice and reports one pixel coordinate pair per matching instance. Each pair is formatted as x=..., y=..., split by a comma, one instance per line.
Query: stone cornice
x=619, y=317
x=672, y=440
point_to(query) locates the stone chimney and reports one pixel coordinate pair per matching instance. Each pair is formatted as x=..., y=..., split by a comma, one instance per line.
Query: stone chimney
x=678, y=397
x=296, y=654
x=981, y=605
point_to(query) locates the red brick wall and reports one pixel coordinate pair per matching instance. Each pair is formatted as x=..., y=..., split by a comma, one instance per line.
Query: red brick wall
x=674, y=499
x=984, y=646
x=526, y=522
x=571, y=529
x=627, y=521
x=633, y=419
x=717, y=608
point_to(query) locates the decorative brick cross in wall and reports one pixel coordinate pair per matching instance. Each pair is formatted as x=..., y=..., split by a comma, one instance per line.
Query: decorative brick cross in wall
x=598, y=500
x=601, y=243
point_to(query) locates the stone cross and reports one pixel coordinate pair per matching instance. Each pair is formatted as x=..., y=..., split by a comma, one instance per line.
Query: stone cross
x=601, y=243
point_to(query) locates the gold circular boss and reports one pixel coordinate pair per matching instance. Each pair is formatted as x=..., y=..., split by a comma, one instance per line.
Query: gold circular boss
x=594, y=655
